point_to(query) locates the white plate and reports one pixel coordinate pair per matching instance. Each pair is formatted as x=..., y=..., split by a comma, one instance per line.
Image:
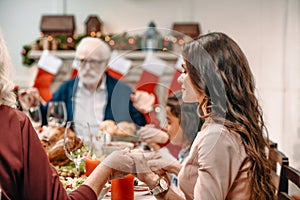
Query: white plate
x=141, y=188
x=136, y=193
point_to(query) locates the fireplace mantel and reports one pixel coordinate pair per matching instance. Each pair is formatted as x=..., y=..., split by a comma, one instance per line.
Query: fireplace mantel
x=133, y=55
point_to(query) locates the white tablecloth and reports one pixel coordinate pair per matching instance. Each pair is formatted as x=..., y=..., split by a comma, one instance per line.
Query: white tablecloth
x=137, y=196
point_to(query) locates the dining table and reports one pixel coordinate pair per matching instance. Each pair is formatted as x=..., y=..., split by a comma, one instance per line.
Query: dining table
x=140, y=190
x=138, y=195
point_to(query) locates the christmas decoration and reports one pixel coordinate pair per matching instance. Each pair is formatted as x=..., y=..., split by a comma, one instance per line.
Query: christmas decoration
x=122, y=41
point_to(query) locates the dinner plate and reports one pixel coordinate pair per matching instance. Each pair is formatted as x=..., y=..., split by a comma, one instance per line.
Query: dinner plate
x=141, y=193
x=129, y=138
x=139, y=188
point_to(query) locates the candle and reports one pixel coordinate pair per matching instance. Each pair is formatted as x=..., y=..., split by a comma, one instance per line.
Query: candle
x=90, y=165
x=122, y=189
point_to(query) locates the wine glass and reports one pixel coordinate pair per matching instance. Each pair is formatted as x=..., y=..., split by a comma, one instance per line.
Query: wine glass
x=97, y=141
x=77, y=142
x=35, y=116
x=56, y=113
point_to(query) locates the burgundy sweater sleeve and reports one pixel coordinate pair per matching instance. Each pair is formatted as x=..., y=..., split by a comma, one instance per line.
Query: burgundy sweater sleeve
x=41, y=180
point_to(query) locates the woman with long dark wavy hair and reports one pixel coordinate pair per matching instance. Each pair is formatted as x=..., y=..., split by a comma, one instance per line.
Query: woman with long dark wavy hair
x=222, y=80
x=228, y=158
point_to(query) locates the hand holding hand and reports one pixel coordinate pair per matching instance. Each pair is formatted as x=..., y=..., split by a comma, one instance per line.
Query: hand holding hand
x=29, y=97
x=120, y=163
x=143, y=101
x=142, y=170
x=161, y=164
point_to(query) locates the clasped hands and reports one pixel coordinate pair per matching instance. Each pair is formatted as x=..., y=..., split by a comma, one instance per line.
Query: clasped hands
x=144, y=165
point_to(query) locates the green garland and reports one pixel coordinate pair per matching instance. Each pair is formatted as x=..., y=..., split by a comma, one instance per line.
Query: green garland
x=118, y=42
x=25, y=58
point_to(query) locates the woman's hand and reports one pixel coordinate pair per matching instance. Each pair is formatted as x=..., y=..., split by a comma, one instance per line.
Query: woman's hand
x=120, y=163
x=142, y=170
x=161, y=164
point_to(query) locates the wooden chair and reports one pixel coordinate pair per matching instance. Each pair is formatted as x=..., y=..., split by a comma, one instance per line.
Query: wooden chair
x=273, y=144
x=278, y=160
x=288, y=174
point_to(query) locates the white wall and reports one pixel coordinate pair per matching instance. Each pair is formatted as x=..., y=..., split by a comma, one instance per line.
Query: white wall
x=258, y=26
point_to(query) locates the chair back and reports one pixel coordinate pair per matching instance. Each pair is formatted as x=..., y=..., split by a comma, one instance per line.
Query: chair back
x=288, y=174
x=273, y=144
x=278, y=160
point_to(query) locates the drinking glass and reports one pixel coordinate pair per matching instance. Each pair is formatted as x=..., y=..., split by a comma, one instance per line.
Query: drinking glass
x=77, y=142
x=35, y=116
x=56, y=113
x=97, y=141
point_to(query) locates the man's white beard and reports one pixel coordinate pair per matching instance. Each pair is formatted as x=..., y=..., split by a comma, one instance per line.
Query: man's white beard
x=89, y=78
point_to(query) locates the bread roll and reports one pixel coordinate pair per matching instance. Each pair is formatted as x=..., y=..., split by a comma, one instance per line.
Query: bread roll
x=126, y=129
x=108, y=126
x=123, y=128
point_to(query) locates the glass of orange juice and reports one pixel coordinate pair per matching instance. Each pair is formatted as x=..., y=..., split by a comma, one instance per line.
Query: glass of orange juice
x=122, y=189
x=90, y=164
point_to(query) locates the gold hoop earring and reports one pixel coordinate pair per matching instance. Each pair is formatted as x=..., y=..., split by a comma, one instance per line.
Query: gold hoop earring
x=198, y=111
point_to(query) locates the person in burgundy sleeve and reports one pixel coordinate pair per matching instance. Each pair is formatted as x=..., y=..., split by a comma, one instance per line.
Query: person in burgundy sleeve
x=25, y=171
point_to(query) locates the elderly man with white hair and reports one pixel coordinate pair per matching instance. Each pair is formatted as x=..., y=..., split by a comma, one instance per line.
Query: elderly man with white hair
x=94, y=96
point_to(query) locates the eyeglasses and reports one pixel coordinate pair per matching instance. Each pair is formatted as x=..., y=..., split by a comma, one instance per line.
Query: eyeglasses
x=92, y=62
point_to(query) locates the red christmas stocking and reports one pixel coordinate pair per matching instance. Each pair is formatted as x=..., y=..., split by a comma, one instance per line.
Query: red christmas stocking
x=118, y=66
x=48, y=68
x=174, y=86
x=153, y=69
x=43, y=82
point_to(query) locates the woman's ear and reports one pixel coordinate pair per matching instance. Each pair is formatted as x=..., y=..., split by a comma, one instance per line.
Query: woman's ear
x=202, y=107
